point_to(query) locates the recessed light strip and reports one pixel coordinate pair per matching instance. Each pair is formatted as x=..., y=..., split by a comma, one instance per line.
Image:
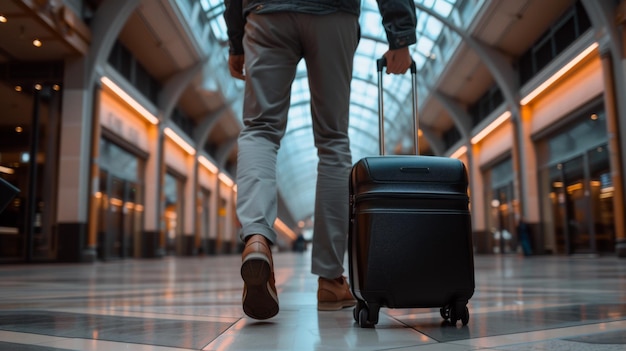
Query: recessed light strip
x=179, y=141
x=6, y=170
x=129, y=100
x=560, y=73
x=280, y=225
x=459, y=152
x=226, y=179
x=491, y=127
x=208, y=164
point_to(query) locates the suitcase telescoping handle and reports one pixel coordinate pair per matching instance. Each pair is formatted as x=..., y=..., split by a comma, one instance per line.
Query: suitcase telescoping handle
x=380, y=63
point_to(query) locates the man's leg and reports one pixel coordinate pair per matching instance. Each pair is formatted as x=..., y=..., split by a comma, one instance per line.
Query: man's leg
x=329, y=46
x=272, y=55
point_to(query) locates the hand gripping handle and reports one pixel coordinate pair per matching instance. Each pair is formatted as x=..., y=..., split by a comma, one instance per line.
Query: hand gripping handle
x=380, y=63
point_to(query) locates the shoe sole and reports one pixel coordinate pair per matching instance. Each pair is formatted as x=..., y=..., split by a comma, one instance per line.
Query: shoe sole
x=259, y=301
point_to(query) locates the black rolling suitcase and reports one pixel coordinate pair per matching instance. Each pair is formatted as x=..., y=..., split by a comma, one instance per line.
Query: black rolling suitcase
x=410, y=243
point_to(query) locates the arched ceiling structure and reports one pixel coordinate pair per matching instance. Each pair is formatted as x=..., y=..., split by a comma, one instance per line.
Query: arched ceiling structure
x=465, y=51
x=297, y=158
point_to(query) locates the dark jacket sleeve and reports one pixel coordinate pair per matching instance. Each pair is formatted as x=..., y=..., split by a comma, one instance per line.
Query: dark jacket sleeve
x=400, y=21
x=235, y=21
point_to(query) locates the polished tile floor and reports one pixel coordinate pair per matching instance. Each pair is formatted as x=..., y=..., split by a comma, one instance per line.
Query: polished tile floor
x=537, y=303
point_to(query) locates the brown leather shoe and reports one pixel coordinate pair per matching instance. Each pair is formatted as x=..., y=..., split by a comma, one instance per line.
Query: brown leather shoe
x=334, y=294
x=260, y=300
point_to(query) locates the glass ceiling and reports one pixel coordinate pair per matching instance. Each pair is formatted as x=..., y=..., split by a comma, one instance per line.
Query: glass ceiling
x=297, y=157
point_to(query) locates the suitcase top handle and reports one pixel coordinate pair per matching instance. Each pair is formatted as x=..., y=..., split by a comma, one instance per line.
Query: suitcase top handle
x=380, y=63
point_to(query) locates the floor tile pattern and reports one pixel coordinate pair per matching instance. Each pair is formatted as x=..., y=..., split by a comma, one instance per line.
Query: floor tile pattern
x=174, y=304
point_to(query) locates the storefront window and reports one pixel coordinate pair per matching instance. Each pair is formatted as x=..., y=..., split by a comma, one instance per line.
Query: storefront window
x=577, y=190
x=502, y=211
x=28, y=160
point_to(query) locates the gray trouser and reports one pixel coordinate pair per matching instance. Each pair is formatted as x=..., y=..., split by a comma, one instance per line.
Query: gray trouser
x=274, y=44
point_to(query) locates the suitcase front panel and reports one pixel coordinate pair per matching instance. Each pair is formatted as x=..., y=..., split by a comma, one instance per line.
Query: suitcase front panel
x=412, y=258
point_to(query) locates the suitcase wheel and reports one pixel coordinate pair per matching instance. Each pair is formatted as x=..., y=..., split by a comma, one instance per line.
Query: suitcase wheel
x=454, y=313
x=366, y=316
x=445, y=312
x=357, y=310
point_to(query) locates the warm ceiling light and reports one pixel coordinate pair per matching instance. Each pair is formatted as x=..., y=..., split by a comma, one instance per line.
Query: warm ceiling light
x=179, y=141
x=3, y=19
x=560, y=73
x=56, y=87
x=459, y=152
x=208, y=164
x=6, y=170
x=38, y=86
x=19, y=129
x=284, y=228
x=491, y=127
x=226, y=179
x=129, y=100
x=594, y=117
x=37, y=43
x=18, y=88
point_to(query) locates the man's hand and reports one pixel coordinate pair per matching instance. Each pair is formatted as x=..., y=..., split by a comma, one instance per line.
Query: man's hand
x=398, y=61
x=235, y=65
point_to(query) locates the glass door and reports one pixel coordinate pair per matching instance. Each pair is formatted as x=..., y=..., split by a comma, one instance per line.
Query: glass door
x=557, y=201
x=133, y=218
x=116, y=218
x=601, y=199
x=577, y=229
x=120, y=216
x=502, y=220
x=203, y=221
x=173, y=214
x=576, y=207
x=110, y=217
x=120, y=205
x=505, y=239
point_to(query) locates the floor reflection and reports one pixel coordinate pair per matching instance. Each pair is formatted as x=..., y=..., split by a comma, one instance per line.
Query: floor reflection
x=179, y=304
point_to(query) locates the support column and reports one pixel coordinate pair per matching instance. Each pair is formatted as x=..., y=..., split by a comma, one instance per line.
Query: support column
x=32, y=176
x=517, y=155
x=620, y=129
x=190, y=229
x=153, y=243
x=471, y=165
x=94, y=195
x=214, y=205
x=480, y=210
x=74, y=166
x=525, y=159
x=615, y=153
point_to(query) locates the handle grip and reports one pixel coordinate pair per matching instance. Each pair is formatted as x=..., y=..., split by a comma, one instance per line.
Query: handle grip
x=382, y=62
